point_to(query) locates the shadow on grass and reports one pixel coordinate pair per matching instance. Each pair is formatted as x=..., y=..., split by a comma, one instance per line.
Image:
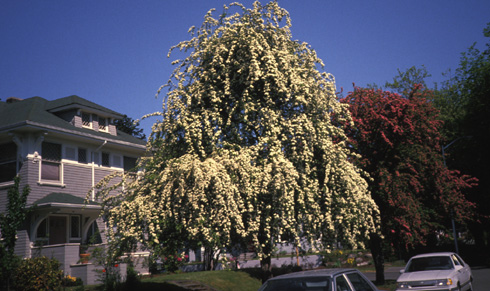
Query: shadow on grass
x=153, y=286
x=389, y=285
x=257, y=272
x=147, y=286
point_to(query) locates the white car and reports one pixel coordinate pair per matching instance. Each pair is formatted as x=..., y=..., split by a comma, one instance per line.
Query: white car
x=435, y=272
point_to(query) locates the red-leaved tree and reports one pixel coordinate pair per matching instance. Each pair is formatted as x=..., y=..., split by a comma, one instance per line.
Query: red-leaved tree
x=399, y=140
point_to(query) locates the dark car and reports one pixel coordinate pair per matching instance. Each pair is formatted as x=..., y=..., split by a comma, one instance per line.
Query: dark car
x=320, y=280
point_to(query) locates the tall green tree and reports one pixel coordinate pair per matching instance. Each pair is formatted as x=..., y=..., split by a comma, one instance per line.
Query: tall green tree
x=10, y=222
x=470, y=89
x=130, y=126
x=404, y=81
x=399, y=140
x=247, y=151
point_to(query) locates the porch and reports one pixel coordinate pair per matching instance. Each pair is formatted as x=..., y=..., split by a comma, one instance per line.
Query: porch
x=68, y=255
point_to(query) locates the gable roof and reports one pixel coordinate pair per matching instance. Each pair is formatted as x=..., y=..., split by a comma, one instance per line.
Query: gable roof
x=39, y=112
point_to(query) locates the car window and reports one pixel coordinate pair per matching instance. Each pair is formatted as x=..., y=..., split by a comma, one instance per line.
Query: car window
x=457, y=261
x=430, y=263
x=341, y=284
x=358, y=282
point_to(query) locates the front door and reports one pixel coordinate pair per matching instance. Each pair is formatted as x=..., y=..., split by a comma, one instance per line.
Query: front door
x=57, y=230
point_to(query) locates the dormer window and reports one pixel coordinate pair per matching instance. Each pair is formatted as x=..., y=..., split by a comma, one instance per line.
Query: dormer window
x=95, y=122
x=86, y=120
x=102, y=124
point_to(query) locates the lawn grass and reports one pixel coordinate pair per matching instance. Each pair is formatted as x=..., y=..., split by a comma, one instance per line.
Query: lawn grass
x=220, y=280
x=245, y=279
x=390, y=285
x=225, y=280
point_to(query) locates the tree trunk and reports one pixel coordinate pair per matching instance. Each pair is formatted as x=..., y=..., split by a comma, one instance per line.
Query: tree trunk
x=209, y=260
x=266, y=266
x=376, y=245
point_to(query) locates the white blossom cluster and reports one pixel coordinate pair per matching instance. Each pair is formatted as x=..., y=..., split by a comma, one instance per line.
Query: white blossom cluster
x=251, y=145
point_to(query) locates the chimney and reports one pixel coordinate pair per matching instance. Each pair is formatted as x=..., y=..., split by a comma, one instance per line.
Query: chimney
x=11, y=100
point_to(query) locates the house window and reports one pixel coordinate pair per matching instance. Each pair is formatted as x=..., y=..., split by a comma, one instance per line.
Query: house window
x=82, y=155
x=93, y=234
x=102, y=124
x=105, y=159
x=75, y=226
x=129, y=164
x=51, y=161
x=8, y=161
x=86, y=120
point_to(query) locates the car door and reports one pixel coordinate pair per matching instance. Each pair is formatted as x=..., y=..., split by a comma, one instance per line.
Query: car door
x=463, y=270
x=341, y=284
x=359, y=282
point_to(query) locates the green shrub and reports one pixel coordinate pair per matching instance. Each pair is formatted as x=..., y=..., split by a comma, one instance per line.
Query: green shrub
x=132, y=278
x=345, y=258
x=70, y=281
x=172, y=263
x=38, y=274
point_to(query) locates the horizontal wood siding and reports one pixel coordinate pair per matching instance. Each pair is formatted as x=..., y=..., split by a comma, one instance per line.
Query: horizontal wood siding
x=78, y=179
x=22, y=245
x=66, y=254
x=30, y=171
x=3, y=199
x=89, y=273
x=101, y=173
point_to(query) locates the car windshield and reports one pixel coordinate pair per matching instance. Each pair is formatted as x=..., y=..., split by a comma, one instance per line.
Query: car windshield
x=298, y=284
x=430, y=263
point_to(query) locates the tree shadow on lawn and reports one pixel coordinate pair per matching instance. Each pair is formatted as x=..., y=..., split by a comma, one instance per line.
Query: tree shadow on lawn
x=154, y=286
x=257, y=272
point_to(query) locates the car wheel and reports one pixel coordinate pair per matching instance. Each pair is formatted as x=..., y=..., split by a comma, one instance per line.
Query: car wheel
x=470, y=287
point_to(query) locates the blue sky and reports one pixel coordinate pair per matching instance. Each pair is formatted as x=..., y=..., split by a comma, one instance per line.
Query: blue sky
x=114, y=52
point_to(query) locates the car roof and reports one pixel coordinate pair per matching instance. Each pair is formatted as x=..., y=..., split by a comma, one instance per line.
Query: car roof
x=314, y=273
x=434, y=254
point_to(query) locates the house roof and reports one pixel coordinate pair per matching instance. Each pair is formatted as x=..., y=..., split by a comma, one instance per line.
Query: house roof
x=65, y=200
x=75, y=102
x=39, y=112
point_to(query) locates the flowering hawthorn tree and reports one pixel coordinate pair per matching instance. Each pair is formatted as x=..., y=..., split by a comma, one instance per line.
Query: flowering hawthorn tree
x=399, y=140
x=247, y=151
